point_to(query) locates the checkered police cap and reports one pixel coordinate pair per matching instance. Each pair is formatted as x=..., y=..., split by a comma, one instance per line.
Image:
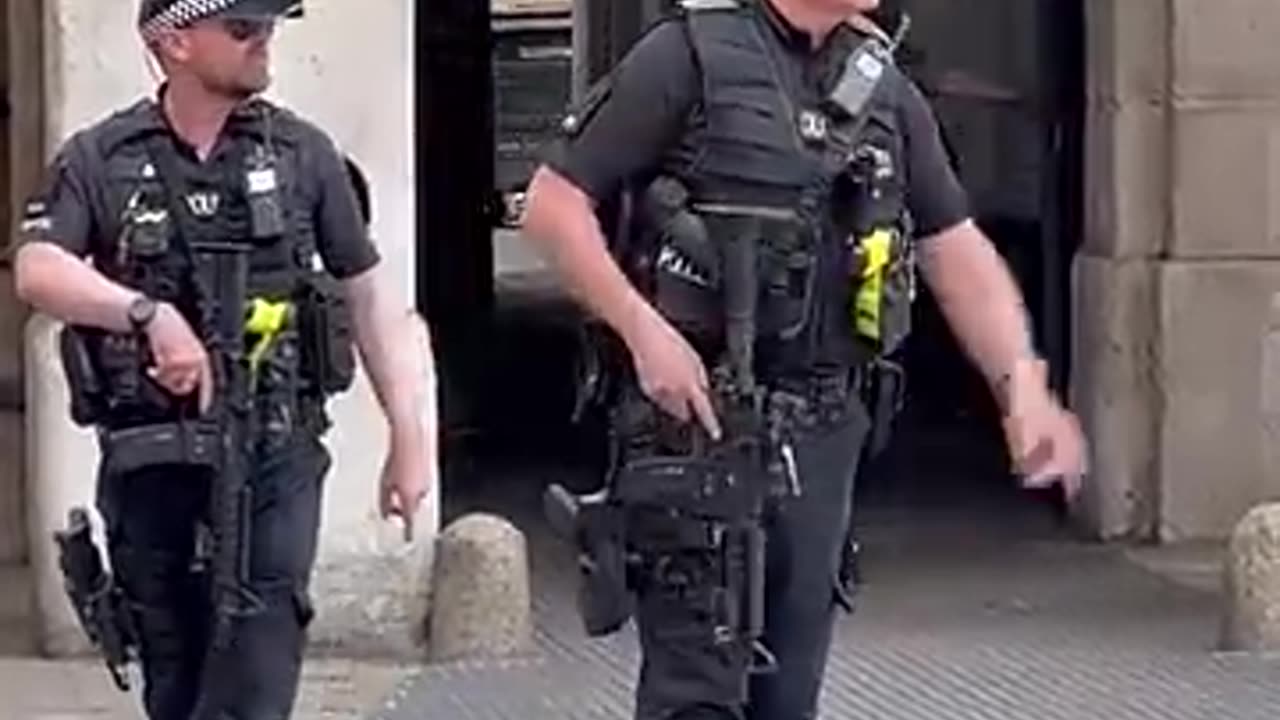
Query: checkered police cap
x=157, y=15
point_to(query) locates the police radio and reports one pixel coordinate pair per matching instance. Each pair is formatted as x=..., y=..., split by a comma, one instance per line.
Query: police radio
x=262, y=185
x=266, y=212
x=863, y=70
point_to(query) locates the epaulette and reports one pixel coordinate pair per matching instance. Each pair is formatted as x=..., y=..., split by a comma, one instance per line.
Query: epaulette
x=126, y=125
x=260, y=117
x=867, y=26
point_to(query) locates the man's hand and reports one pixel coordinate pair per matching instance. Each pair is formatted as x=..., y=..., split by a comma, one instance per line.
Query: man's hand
x=412, y=468
x=409, y=473
x=181, y=362
x=670, y=372
x=1045, y=440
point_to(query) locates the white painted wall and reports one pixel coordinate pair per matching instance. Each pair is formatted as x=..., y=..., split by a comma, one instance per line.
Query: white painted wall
x=348, y=66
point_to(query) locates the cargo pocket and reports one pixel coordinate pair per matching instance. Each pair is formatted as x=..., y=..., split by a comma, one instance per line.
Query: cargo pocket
x=303, y=608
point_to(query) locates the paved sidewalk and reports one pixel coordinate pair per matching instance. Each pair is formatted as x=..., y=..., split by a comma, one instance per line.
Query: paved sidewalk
x=976, y=608
x=33, y=689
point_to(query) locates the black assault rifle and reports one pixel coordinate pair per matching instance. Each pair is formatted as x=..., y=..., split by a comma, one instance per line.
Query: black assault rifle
x=662, y=502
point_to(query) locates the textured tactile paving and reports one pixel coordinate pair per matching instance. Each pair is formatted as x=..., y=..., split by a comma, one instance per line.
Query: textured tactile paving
x=970, y=613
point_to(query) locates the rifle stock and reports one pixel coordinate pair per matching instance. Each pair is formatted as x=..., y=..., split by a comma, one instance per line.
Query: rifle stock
x=592, y=524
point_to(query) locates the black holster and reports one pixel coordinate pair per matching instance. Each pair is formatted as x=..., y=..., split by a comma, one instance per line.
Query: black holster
x=98, y=602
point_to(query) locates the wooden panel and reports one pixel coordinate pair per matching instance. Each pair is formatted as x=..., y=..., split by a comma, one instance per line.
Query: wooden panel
x=6, y=215
x=22, y=80
x=13, y=531
x=12, y=316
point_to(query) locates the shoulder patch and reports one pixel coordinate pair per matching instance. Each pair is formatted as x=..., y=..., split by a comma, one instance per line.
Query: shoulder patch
x=867, y=26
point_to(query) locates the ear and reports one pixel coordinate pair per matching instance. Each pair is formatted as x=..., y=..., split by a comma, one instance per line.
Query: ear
x=173, y=45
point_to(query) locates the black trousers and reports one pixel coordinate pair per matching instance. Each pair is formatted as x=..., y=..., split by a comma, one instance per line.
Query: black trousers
x=151, y=517
x=685, y=676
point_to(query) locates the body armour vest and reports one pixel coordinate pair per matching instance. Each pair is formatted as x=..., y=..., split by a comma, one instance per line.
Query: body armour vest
x=817, y=191
x=161, y=211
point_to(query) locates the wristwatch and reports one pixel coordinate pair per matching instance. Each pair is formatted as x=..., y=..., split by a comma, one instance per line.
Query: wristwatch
x=141, y=312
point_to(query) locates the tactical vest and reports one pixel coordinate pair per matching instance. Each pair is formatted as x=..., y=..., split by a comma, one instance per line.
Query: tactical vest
x=818, y=191
x=298, y=336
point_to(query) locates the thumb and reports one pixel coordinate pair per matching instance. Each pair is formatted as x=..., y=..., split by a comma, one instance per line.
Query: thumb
x=1015, y=436
x=206, y=386
x=385, y=500
x=406, y=516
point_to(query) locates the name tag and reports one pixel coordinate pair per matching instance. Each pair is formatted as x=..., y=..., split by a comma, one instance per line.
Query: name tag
x=262, y=181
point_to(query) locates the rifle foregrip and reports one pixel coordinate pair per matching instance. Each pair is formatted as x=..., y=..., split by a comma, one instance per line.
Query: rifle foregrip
x=755, y=585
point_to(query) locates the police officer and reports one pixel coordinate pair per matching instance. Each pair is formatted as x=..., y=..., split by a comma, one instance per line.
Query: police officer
x=143, y=194
x=786, y=119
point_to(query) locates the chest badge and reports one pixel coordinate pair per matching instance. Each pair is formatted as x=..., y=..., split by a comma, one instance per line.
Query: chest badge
x=813, y=126
x=203, y=204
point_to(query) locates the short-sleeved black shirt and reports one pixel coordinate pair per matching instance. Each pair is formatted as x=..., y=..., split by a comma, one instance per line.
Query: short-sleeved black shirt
x=655, y=90
x=72, y=210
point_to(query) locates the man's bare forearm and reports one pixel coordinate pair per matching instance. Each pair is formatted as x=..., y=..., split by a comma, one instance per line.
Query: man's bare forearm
x=562, y=223
x=395, y=371
x=66, y=287
x=980, y=300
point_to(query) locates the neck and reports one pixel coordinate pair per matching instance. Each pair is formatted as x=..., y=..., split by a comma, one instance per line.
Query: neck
x=196, y=115
x=817, y=23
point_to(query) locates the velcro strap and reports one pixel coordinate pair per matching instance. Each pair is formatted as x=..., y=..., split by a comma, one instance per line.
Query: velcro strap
x=135, y=448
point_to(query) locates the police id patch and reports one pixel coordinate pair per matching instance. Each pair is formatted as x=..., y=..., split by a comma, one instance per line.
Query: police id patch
x=42, y=207
x=674, y=262
x=203, y=204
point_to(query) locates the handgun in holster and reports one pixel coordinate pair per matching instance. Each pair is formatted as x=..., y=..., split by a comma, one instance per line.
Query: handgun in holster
x=99, y=603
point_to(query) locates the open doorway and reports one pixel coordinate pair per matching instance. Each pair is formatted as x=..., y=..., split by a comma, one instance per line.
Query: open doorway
x=495, y=79
x=21, y=164
x=1008, y=92
x=1006, y=80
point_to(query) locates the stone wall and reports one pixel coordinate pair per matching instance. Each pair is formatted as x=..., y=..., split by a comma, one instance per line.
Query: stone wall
x=1175, y=289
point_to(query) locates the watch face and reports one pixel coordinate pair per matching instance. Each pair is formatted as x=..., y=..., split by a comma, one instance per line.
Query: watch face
x=141, y=311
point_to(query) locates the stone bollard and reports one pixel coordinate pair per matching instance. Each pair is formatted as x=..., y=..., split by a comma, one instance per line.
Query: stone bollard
x=1252, y=583
x=481, y=606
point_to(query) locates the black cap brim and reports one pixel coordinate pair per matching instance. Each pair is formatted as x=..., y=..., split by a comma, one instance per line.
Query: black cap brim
x=262, y=9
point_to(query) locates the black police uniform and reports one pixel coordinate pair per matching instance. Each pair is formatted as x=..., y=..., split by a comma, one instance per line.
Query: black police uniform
x=128, y=193
x=728, y=99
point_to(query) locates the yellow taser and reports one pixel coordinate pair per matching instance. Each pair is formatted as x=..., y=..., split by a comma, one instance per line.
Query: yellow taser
x=875, y=252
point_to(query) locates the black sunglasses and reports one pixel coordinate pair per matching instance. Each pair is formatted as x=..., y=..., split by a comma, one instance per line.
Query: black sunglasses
x=242, y=29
